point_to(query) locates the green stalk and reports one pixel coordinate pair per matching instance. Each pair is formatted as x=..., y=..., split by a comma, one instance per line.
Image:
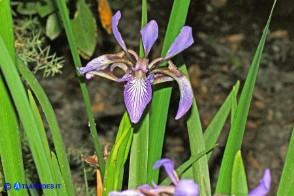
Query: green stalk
x=77, y=62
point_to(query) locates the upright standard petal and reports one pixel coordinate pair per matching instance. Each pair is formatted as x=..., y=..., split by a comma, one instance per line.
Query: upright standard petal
x=137, y=95
x=264, y=186
x=183, y=41
x=149, y=35
x=116, y=33
x=186, y=187
x=169, y=169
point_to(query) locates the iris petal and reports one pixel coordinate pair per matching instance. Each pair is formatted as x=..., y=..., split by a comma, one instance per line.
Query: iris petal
x=183, y=41
x=169, y=169
x=116, y=33
x=264, y=186
x=101, y=63
x=186, y=187
x=137, y=95
x=186, y=92
x=149, y=35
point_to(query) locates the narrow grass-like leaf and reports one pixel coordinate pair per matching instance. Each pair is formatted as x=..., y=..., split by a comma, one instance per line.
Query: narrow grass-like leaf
x=118, y=156
x=161, y=96
x=197, y=145
x=239, y=181
x=52, y=122
x=139, y=150
x=238, y=127
x=40, y=125
x=139, y=155
x=86, y=182
x=286, y=186
x=10, y=145
x=60, y=186
x=213, y=131
x=33, y=192
x=61, y=4
x=25, y=113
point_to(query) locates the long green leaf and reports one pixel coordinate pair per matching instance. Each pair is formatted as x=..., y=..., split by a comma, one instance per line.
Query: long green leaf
x=239, y=181
x=52, y=122
x=238, y=127
x=118, y=156
x=10, y=145
x=139, y=150
x=25, y=113
x=60, y=186
x=286, y=186
x=196, y=140
x=161, y=96
x=77, y=62
x=213, y=130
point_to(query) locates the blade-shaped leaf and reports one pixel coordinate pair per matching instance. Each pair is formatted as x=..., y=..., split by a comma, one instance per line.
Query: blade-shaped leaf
x=118, y=156
x=52, y=122
x=286, y=186
x=26, y=116
x=213, y=130
x=239, y=181
x=238, y=126
x=10, y=145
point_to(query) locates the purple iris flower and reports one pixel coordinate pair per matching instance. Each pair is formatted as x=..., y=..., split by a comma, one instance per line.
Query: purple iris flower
x=183, y=186
x=140, y=73
x=180, y=187
x=264, y=185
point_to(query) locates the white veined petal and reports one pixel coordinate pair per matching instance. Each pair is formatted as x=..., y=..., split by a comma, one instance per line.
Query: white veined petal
x=137, y=95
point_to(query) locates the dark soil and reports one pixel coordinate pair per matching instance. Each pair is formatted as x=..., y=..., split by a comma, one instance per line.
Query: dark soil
x=226, y=35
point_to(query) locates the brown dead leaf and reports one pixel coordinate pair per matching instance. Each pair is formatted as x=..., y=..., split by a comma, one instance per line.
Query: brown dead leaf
x=105, y=14
x=91, y=160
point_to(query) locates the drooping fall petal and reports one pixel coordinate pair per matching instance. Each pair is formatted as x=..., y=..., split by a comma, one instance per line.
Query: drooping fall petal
x=137, y=95
x=264, y=186
x=186, y=92
x=101, y=63
x=149, y=35
x=182, y=42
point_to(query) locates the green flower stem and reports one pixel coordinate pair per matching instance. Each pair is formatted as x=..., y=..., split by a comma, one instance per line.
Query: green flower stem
x=77, y=62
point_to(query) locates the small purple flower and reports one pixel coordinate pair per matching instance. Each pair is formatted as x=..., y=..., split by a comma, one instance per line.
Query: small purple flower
x=183, y=186
x=264, y=185
x=140, y=74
